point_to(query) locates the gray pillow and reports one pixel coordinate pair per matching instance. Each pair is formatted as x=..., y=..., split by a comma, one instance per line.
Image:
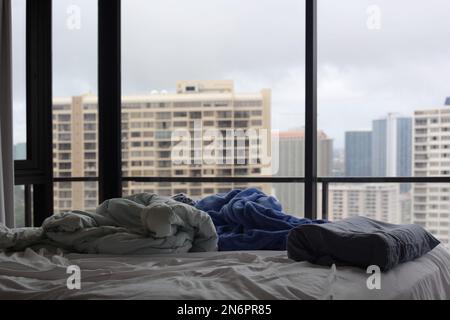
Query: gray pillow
x=359, y=242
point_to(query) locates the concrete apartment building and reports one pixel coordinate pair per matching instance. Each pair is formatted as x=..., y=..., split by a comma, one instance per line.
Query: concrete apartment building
x=292, y=163
x=376, y=201
x=431, y=158
x=147, y=125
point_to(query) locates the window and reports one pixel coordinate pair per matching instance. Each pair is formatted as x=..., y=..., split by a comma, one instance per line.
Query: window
x=18, y=11
x=90, y=117
x=264, y=91
x=370, y=86
x=75, y=196
x=90, y=137
x=267, y=76
x=75, y=99
x=391, y=117
x=19, y=206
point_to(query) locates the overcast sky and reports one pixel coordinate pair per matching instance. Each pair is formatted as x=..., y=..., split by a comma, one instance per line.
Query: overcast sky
x=363, y=73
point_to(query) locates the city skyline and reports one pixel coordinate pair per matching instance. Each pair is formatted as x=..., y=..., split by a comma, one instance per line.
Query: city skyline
x=390, y=203
x=20, y=147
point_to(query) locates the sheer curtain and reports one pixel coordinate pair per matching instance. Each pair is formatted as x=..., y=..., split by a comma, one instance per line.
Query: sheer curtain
x=6, y=140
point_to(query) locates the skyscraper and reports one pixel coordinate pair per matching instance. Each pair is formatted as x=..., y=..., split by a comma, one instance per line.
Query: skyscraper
x=147, y=126
x=392, y=146
x=431, y=202
x=358, y=153
x=292, y=163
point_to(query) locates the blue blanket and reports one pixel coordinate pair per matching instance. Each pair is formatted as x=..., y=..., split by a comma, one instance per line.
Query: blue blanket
x=250, y=220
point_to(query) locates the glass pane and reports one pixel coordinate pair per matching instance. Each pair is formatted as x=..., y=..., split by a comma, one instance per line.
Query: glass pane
x=383, y=80
x=18, y=8
x=19, y=206
x=425, y=204
x=205, y=90
x=74, y=47
x=286, y=194
x=75, y=140
x=75, y=196
x=291, y=197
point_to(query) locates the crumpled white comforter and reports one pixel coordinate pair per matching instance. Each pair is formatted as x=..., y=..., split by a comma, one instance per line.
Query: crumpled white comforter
x=140, y=224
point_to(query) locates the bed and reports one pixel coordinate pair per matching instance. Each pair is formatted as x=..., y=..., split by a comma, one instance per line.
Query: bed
x=264, y=275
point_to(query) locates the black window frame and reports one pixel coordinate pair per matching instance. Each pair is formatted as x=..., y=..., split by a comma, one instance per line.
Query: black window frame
x=37, y=169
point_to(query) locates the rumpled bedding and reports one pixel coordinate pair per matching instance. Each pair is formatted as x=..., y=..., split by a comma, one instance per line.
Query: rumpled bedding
x=250, y=220
x=140, y=224
x=181, y=197
x=359, y=242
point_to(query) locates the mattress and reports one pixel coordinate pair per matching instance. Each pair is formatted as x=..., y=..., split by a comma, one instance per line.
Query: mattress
x=217, y=276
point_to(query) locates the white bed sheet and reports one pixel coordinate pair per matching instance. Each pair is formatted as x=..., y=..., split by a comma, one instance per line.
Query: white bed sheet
x=220, y=275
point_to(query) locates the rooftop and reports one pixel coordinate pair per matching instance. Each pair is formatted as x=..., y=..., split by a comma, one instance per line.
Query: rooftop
x=186, y=91
x=299, y=134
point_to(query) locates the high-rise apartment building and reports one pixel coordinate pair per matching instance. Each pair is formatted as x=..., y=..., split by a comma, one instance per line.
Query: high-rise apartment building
x=358, y=154
x=392, y=146
x=431, y=202
x=292, y=163
x=380, y=202
x=147, y=126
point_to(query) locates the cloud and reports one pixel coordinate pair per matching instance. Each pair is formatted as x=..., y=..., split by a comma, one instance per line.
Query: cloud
x=363, y=74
